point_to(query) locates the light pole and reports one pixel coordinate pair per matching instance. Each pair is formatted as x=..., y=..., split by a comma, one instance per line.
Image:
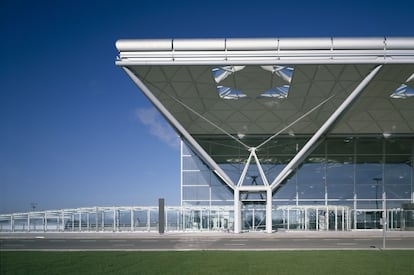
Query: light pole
x=384, y=218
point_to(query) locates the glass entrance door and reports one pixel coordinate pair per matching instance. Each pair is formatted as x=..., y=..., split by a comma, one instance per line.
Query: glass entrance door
x=253, y=217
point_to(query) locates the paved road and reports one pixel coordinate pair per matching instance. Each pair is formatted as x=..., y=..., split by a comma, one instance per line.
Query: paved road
x=199, y=241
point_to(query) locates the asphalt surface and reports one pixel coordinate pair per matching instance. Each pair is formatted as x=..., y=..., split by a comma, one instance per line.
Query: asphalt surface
x=206, y=241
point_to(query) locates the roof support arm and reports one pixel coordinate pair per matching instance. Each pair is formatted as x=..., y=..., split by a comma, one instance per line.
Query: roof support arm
x=300, y=156
x=171, y=119
x=246, y=167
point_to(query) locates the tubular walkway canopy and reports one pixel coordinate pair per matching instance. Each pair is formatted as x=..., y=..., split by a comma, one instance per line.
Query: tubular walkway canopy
x=222, y=94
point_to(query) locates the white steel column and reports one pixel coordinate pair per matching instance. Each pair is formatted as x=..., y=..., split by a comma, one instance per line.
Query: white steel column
x=63, y=221
x=132, y=219
x=103, y=220
x=339, y=111
x=88, y=222
x=269, y=195
x=12, y=223
x=115, y=221
x=45, y=222
x=28, y=222
x=80, y=221
x=96, y=219
x=237, y=211
x=148, y=219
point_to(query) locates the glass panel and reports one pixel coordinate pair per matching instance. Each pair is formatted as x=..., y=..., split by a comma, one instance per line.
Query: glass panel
x=196, y=177
x=398, y=178
x=340, y=191
x=279, y=92
x=272, y=171
x=396, y=203
x=349, y=203
x=232, y=170
x=173, y=220
x=369, y=219
x=186, y=150
x=195, y=202
x=285, y=146
x=340, y=178
x=279, y=218
x=311, y=181
x=196, y=193
x=320, y=150
x=287, y=190
x=193, y=163
x=141, y=220
x=311, y=219
x=315, y=202
x=399, y=146
x=225, y=148
x=408, y=219
x=403, y=92
x=340, y=146
x=369, y=146
x=154, y=219
x=296, y=219
x=369, y=171
x=221, y=193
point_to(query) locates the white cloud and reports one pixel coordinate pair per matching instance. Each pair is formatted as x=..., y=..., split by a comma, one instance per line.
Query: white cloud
x=158, y=126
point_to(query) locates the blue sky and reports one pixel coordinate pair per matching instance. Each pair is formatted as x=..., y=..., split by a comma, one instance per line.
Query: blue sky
x=76, y=132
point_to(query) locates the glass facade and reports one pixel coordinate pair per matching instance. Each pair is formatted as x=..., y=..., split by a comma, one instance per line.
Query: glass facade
x=344, y=184
x=357, y=176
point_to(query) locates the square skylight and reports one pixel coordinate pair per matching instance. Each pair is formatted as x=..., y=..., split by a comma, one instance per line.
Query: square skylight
x=403, y=92
x=277, y=92
x=282, y=72
x=229, y=93
x=221, y=73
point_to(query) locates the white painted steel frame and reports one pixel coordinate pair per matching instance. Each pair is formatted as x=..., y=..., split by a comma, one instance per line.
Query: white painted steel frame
x=40, y=221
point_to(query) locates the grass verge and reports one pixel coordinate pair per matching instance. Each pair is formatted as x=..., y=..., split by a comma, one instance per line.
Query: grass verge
x=208, y=262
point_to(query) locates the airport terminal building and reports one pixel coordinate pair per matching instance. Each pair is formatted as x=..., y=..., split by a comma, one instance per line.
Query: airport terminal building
x=313, y=133
x=283, y=133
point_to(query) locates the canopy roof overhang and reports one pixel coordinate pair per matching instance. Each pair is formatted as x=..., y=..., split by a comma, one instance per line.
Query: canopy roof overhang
x=181, y=74
x=243, y=92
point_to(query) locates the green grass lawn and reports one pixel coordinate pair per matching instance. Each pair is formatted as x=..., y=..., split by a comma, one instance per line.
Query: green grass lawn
x=209, y=262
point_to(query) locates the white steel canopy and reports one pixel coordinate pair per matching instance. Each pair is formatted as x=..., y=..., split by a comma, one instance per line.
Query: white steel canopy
x=221, y=94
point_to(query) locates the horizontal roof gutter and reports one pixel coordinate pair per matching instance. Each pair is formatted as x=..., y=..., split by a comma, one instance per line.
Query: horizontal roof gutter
x=395, y=50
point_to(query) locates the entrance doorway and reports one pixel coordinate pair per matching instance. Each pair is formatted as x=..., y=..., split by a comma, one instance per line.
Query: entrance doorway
x=253, y=216
x=253, y=211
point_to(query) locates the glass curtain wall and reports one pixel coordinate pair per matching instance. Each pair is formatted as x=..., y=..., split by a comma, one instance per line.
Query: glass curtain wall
x=355, y=173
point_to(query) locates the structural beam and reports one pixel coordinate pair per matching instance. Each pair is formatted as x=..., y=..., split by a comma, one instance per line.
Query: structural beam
x=296, y=161
x=180, y=129
x=271, y=51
